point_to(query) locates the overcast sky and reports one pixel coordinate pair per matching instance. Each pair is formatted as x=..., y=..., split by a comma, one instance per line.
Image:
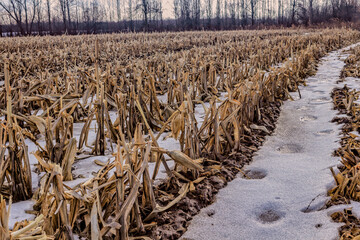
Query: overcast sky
x=168, y=11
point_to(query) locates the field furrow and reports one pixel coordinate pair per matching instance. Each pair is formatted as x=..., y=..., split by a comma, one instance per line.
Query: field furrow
x=130, y=135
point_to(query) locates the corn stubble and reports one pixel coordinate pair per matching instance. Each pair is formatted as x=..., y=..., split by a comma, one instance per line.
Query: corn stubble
x=352, y=64
x=348, y=178
x=54, y=83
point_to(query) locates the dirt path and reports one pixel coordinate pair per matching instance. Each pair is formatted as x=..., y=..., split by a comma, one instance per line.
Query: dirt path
x=289, y=171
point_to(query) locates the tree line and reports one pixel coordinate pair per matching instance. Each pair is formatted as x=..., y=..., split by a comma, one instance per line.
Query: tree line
x=40, y=17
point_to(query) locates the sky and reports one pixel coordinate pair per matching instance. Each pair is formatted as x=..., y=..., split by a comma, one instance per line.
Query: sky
x=167, y=8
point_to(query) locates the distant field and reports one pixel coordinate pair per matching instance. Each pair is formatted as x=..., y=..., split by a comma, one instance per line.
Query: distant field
x=109, y=133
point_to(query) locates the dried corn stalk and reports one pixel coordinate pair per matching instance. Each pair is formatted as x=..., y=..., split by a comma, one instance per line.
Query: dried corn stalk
x=15, y=173
x=154, y=82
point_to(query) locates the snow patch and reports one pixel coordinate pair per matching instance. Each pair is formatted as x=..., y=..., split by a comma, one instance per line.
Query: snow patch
x=296, y=159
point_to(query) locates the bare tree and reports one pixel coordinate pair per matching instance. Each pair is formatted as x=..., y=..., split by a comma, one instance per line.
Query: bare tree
x=67, y=4
x=30, y=14
x=25, y=17
x=177, y=13
x=237, y=12
x=77, y=15
x=155, y=13
x=48, y=8
x=196, y=13
x=17, y=9
x=279, y=11
x=1, y=24
x=14, y=10
x=311, y=12
x=253, y=10
x=218, y=14
x=96, y=14
x=293, y=11
x=24, y=4
x=130, y=15
x=144, y=9
x=118, y=10
x=92, y=15
x=185, y=14
x=39, y=18
x=63, y=13
x=225, y=13
x=243, y=13
x=161, y=14
x=232, y=10
x=208, y=10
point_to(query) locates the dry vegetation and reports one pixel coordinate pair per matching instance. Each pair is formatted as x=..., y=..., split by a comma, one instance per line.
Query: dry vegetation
x=51, y=84
x=347, y=179
x=352, y=67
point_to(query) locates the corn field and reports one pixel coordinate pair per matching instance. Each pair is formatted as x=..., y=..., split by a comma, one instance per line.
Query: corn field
x=156, y=114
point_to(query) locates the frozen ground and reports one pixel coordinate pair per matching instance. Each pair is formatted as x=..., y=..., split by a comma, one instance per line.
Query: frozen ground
x=85, y=167
x=18, y=213
x=288, y=172
x=270, y=198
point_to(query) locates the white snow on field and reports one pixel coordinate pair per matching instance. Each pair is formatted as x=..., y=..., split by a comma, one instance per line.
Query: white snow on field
x=289, y=171
x=17, y=212
x=278, y=194
x=353, y=83
x=162, y=98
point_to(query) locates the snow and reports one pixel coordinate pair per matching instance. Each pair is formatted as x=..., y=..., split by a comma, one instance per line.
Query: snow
x=161, y=175
x=294, y=163
x=17, y=212
x=86, y=169
x=162, y=98
x=167, y=142
x=287, y=163
x=352, y=82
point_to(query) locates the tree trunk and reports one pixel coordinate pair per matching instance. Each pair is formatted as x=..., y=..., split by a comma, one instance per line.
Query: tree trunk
x=218, y=20
x=68, y=14
x=293, y=12
x=63, y=12
x=26, y=17
x=130, y=15
x=243, y=13
x=279, y=12
x=311, y=12
x=118, y=10
x=49, y=15
x=252, y=5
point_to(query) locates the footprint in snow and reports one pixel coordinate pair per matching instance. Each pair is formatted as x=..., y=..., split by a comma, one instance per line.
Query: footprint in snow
x=307, y=118
x=269, y=213
x=256, y=173
x=290, y=148
x=319, y=91
x=269, y=216
x=324, y=132
x=318, y=101
x=303, y=108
